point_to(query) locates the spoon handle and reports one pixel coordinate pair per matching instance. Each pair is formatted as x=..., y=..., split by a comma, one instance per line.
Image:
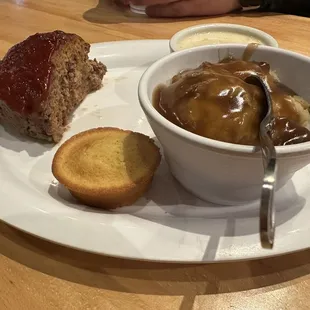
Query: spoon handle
x=267, y=208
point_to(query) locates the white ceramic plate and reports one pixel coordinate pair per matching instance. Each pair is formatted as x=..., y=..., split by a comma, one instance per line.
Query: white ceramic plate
x=168, y=224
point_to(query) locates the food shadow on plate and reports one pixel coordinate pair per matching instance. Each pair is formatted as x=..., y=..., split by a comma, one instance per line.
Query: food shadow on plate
x=11, y=139
x=177, y=204
x=62, y=194
x=168, y=203
x=58, y=192
x=210, y=220
x=184, y=212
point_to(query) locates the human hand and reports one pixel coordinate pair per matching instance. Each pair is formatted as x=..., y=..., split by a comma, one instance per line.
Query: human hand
x=182, y=8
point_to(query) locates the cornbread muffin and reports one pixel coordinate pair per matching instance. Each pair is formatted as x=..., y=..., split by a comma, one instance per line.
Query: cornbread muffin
x=42, y=81
x=106, y=167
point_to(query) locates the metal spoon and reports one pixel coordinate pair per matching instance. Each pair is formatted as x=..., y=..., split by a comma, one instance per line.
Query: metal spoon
x=267, y=209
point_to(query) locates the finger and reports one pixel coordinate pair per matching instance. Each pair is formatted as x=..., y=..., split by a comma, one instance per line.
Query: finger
x=175, y=9
x=151, y=2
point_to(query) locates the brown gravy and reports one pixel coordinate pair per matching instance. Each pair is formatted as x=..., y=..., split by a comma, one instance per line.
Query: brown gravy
x=214, y=101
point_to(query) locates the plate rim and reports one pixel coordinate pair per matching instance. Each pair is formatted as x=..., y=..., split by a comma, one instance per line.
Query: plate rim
x=264, y=254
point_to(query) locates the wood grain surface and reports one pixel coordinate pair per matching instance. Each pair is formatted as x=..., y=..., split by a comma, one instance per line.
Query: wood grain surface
x=36, y=274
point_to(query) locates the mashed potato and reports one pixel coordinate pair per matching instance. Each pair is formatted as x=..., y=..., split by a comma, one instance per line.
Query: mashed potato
x=214, y=101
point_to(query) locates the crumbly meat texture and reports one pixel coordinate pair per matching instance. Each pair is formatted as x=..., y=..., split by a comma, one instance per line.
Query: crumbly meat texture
x=72, y=78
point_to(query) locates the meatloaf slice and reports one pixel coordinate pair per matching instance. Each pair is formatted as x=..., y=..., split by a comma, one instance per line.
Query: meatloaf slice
x=43, y=79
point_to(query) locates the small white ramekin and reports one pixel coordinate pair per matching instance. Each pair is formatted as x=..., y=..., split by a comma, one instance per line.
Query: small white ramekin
x=220, y=172
x=267, y=39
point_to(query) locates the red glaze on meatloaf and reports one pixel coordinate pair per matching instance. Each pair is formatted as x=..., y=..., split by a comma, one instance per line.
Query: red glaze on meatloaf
x=43, y=79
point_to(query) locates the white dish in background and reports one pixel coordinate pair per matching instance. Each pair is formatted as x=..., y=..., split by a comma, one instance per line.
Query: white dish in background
x=168, y=224
x=220, y=172
x=210, y=34
x=138, y=9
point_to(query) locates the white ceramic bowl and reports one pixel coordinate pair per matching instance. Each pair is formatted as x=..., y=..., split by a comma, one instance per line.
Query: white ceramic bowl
x=265, y=38
x=216, y=171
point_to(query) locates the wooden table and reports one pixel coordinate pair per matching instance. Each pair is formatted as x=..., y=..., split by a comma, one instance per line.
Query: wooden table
x=35, y=274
